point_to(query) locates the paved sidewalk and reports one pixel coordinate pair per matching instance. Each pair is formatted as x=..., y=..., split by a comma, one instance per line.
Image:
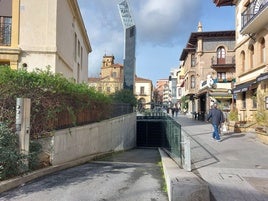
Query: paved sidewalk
x=236, y=168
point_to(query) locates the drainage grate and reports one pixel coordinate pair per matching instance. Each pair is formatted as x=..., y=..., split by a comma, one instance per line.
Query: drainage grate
x=230, y=177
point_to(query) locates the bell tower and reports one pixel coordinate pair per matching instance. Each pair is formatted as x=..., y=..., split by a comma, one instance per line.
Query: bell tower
x=107, y=61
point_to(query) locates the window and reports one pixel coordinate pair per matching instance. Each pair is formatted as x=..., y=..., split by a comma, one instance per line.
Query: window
x=75, y=46
x=78, y=53
x=254, y=98
x=179, y=92
x=5, y=31
x=221, y=55
x=142, y=91
x=108, y=89
x=262, y=43
x=192, y=60
x=192, y=82
x=244, y=105
x=114, y=74
x=221, y=76
x=81, y=58
x=251, y=54
x=242, y=59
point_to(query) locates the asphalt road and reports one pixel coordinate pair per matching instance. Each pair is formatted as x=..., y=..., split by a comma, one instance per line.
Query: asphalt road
x=127, y=176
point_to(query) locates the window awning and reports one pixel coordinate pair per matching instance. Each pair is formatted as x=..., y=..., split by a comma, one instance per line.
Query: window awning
x=243, y=87
x=262, y=76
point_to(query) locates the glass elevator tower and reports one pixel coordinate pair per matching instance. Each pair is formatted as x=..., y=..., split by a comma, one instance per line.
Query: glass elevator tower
x=129, y=45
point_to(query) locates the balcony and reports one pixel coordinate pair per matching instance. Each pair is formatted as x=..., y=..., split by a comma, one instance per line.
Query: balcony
x=223, y=85
x=223, y=63
x=254, y=18
x=217, y=84
x=5, y=33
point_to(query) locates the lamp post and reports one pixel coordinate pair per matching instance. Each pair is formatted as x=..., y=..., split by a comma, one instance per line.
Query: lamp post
x=231, y=92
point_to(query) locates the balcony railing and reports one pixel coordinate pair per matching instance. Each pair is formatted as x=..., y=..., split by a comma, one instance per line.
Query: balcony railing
x=254, y=10
x=5, y=34
x=228, y=60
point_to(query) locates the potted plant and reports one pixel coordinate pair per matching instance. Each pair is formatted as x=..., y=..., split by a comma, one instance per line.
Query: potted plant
x=233, y=115
x=233, y=120
x=261, y=117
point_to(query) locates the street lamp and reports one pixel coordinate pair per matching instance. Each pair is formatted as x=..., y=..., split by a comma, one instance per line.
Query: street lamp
x=231, y=92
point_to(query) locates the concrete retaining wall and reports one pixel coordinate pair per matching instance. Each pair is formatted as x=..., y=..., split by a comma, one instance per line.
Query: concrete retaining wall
x=106, y=136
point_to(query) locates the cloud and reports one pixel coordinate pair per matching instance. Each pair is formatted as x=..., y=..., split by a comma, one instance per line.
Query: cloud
x=105, y=31
x=159, y=23
x=164, y=22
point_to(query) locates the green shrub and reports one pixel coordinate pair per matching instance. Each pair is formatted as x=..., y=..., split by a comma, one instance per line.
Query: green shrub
x=34, y=150
x=51, y=95
x=261, y=115
x=124, y=96
x=11, y=161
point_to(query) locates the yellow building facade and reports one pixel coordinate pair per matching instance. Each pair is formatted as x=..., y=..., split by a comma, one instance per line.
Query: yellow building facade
x=251, y=89
x=111, y=77
x=208, y=63
x=111, y=80
x=9, y=33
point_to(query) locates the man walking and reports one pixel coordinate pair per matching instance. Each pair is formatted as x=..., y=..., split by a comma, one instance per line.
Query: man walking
x=217, y=118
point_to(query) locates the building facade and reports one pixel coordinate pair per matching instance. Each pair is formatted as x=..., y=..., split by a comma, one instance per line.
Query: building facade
x=53, y=37
x=251, y=89
x=143, y=92
x=162, y=92
x=111, y=76
x=208, y=61
x=180, y=85
x=111, y=80
x=173, y=80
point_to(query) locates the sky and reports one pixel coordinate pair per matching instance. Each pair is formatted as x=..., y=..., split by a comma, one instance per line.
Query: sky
x=163, y=28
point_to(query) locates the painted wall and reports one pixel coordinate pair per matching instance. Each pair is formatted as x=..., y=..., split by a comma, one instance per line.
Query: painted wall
x=55, y=37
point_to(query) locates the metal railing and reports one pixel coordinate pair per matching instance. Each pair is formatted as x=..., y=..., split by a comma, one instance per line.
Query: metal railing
x=252, y=11
x=227, y=60
x=44, y=120
x=163, y=131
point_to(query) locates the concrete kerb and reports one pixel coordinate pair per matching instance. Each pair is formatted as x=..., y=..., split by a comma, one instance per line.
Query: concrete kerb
x=20, y=180
x=182, y=185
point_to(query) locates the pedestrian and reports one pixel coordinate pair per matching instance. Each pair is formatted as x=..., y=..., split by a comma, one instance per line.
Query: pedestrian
x=176, y=111
x=172, y=111
x=217, y=119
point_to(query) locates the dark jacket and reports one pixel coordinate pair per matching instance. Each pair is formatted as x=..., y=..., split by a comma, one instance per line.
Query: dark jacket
x=216, y=116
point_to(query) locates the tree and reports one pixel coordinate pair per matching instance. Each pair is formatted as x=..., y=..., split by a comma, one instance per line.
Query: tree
x=124, y=96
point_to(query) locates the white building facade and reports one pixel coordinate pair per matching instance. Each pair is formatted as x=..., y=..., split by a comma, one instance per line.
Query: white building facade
x=50, y=33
